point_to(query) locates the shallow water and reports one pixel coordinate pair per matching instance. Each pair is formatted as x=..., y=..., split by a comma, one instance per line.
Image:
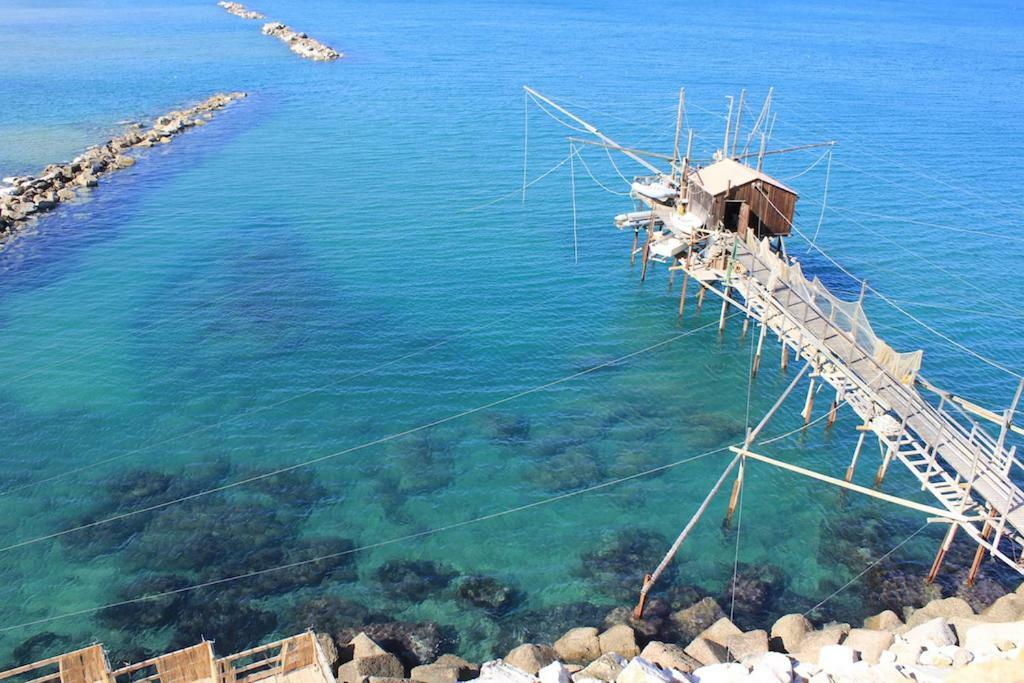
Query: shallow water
x=314, y=271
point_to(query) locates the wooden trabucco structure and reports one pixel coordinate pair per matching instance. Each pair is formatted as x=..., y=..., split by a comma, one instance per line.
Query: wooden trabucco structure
x=298, y=659
x=738, y=254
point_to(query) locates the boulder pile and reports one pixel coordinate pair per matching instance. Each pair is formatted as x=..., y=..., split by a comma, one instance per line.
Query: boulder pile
x=240, y=10
x=944, y=641
x=23, y=197
x=300, y=43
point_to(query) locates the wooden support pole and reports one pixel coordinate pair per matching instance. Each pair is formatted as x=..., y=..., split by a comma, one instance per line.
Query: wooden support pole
x=833, y=409
x=941, y=555
x=700, y=296
x=979, y=554
x=725, y=309
x=784, y=362
x=746, y=326
x=632, y=252
x=682, y=293
x=672, y=273
x=647, y=248
x=650, y=579
x=809, y=403
x=734, y=497
x=884, y=466
x=856, y=455
x=757, y=354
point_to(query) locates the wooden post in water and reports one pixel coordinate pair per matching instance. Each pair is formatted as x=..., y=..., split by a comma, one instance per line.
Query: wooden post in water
x=735, y=496
x=757, y=353
x=686, y=277
x=784, y=362
x=833, y=409
x=856, y=455
x=890, y=451
x=943, y=549
x=809, y=403
x=672, y=273
x=647, y=247
x=700, y=296
x=979, y=554
x=632, y=252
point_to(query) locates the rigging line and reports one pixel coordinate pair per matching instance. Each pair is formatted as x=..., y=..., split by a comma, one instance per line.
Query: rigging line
x=258, y=409
x=958, y=309
x=903, y=219
x=811, y=167
x=526, y=137
x=371, y=546
x=824, y=197
x=616, y=167
x=513, y=193
x=596, y=181
x=933, y=264
x=557, y=119
x=910, y=167
x=374, y=442
x=572, y=180
x=739, y=517
x=867, y=569
x=988, y=361
x=392, y=541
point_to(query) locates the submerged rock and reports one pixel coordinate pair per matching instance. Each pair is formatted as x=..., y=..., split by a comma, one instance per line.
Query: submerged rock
x=414, y=579
x=413, y=643
x=488, y=593
x=300, y=43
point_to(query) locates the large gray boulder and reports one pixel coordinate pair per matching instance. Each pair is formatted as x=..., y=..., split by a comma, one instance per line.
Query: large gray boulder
x=579, y=645
x=869, y=643
x=619, y=639
x=812, y=643
x=691, y=621
x=746, y=646
x=934, y=633
x=604, y=668
x=886, y=620
x=707, y=652
x=669, y=656
x=788, y=631
x=1010, y=607
x=531, y=657
x=947, y=608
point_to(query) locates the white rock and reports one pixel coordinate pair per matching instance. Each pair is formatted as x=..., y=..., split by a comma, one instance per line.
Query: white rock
x=806, y=670
x=983, y=637
x=498, y=671
x=722, y=673
x=555, y=672
x=639, y=670
x=902, y=653
x=933, y=633
x=836, y=659
x=771, y=667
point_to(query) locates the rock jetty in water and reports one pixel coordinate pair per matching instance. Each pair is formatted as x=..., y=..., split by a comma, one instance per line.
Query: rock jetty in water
x=300, y=43
x=240, y=10
x=945, y=641
x=26, y=196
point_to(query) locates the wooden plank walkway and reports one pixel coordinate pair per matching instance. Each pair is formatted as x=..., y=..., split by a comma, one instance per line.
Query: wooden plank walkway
x=962, y=465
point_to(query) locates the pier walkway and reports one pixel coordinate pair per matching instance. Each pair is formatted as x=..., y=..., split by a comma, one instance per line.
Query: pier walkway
x=967, y=470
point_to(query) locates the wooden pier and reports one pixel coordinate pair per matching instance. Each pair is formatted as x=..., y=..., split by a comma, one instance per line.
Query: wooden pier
x=724, y=225
x=298, y=659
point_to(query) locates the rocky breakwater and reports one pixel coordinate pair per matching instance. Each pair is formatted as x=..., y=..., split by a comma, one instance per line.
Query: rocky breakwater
x=240, y=10
x=300, y=43
x=943, y=642
x=26, y=196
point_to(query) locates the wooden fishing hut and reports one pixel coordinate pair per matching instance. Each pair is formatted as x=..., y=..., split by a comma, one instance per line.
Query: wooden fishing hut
x=741, y=198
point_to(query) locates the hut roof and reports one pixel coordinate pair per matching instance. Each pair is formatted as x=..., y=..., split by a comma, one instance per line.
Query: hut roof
x=719, y=176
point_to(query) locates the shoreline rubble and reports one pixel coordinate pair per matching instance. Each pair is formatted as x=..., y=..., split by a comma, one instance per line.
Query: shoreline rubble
x=240, y=10
x=301, y=43
x=24, y=197
x=943, y=642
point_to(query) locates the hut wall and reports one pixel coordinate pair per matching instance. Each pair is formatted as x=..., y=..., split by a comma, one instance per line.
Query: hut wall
x=764, y=219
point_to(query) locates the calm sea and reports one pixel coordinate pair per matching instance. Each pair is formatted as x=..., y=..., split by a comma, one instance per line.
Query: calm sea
x=325, y=267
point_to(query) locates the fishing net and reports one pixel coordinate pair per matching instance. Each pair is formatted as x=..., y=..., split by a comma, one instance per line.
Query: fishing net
x=848, y=316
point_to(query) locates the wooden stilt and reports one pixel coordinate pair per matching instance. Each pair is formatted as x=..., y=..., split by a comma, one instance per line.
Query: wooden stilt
x=746, y=327
x=979, y=554
x=682, y=293
x=785, y=357
x=632, y=252
x=941, y=555
x=809, y=403
x=700, y=296
x=884, y=466
x=725, y=309
x=672, y=274
x=647, y=247
x=832, y=411
x=856, y=455
x=757, y=354
x=735, y=496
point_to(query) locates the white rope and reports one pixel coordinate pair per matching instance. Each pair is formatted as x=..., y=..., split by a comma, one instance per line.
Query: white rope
x=811, y=167
x=557, y=119
x=513, y=193
x=253, y=411
x=952, y=228
x=608, y=153
x=988, y=361
x=526, y=138
x=867, y=569
x=572, y=180
x=596, y=181
x=824, y=197
x=352, y=449
x=399, y=539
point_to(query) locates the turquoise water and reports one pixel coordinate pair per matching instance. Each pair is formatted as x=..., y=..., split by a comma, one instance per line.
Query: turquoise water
x=314, y=271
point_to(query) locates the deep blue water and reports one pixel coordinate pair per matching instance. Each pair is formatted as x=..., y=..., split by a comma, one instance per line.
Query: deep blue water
x=315, y=271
